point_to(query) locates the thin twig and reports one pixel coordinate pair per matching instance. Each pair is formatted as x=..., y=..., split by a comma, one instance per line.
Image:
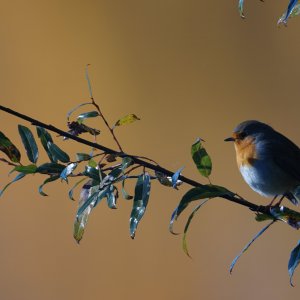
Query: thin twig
x=233, y=198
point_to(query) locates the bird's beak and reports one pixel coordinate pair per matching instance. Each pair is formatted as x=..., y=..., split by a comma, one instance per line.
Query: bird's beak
x=230, y=139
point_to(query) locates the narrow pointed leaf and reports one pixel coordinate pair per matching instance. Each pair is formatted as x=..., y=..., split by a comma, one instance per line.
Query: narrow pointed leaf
x=75, y=108
x=125, y=195
x=50, y=179
x=92, y=173
x=90, y=114
x=30, y=169
x=140, y=201
x=294, y=262
x=248, y=245
x=292, y=10
x=82, y=156
x=201, y=158
x=29, y=143
x=18, y=177
x=68, y=171
x=175, y=178
x=128, y=119
x=201, y=192
x=187, y=225
x=50, y=168
x=93, y=199
x=87, y=77
x=112, y=197
x=241, y=8
x=58, y=153
x=46, y=140
x=126, y=162
x=9, y=148
x=71, y=191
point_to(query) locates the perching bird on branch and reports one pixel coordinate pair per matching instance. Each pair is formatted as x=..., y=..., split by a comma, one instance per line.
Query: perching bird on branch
x=268, y=161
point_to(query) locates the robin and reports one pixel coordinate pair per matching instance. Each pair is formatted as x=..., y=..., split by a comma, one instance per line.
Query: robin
x=268, y=161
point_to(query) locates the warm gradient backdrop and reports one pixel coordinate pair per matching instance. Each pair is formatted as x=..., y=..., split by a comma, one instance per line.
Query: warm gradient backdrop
x=187, y=68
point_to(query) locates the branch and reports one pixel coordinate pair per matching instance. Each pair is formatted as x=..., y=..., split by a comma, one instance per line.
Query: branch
x=138, y=160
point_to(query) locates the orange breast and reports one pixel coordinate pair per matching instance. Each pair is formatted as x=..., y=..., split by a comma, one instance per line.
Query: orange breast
x=245, y=152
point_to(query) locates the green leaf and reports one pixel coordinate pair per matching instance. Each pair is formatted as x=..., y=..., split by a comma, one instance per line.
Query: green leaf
x=46, y=140
x=140, y=202
x=201, y=159
x=58, y=153
x=82, y=156
x=241, y=8
x=75, y=108
x=112, y=197
x=90, y=114
x=18, y=177
x=29, y=143
x=93, y=199
x=92, y=163
x=92, y=173
x=9, y=148
x=294, y=262
x=125, y=195
x=128, y=119
x=50, y=179
x=87, y=77
x=71, y=191
x=67, y=171
x=127, y=162
x=89, y=198
x=201, y=192
x=184, y=241
x=50, y=168
x=30, y=169
x=248, y=245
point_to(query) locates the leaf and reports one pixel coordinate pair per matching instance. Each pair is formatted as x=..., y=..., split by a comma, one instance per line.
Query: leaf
x=90, y=114
x=175, y=178
x=82, y=156
x=58, y=153
x=112, y=197
x=292, y=10
x=45, y=138
x=75, y=108
x=50, y=179
x=9, y=148
x=92, y=173
x=68, y=171
x=128, y=119
x=18, y=177
x=241, y=8
x=201, y=192
x=184, y=241
x=201, y=158
x=248, y=245
x=140, y=201
x=92, y=163
x=93, y=199
x=50, y=168
x=30, y=169
x=71, y=191
x=87, y=77
x=127, y=162
x=294, y=262
x=125, y=195
x=29, y=143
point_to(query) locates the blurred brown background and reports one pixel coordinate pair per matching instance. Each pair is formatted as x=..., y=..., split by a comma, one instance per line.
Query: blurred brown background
x=188, y=69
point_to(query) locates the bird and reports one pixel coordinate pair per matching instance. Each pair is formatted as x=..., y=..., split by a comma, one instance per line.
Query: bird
x=268, y=161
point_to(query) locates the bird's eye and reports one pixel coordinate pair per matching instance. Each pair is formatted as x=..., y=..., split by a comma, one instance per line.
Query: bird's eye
x=242, y=135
